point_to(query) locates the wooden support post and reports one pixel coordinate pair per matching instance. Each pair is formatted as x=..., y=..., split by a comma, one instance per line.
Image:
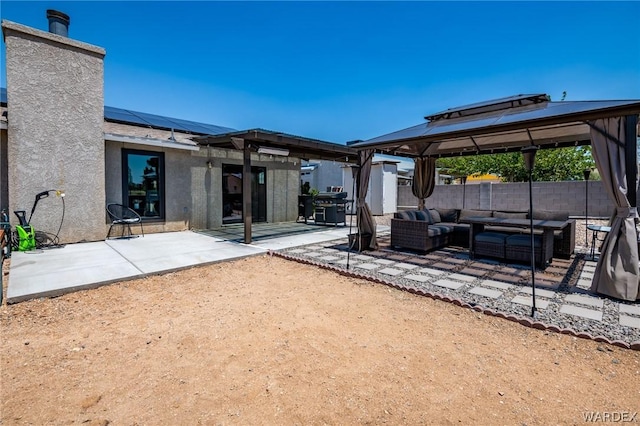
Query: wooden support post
x=246, y=194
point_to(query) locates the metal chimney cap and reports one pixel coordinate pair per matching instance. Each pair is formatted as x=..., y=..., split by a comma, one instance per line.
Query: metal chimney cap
x=58, y=22
x=51, y=13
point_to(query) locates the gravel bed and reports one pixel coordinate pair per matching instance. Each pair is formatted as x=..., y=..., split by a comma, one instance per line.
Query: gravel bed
x=609, y=327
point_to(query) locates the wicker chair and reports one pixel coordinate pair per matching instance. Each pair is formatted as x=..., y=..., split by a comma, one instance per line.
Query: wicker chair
x=565, y=244
x=418, y=235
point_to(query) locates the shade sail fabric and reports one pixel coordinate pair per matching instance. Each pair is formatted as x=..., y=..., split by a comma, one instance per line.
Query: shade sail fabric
x=366, y=224
x=424, y=179
x=617, y=271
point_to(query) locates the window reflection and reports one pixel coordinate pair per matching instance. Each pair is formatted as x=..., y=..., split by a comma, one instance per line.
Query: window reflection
x=143, y=186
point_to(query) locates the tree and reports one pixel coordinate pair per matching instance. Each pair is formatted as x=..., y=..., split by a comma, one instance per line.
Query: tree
x=551, y=164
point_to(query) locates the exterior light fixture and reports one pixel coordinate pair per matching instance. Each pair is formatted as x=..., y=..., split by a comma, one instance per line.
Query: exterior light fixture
x=209, y=164
x=273, y=151
x=529, y=154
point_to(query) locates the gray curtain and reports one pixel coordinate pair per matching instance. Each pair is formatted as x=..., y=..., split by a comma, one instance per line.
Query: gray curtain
x=617, y=270
x=366, y=224
x=424, y=179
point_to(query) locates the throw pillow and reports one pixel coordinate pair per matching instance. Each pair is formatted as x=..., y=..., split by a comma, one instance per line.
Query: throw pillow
x=405, y=214
x=424, y=216
x=510, y=215
x=448, y=215
x=473, y=213
x=435, y=216
x=549, y=215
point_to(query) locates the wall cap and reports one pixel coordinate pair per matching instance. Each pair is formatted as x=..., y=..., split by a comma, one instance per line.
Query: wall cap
x=13, y=28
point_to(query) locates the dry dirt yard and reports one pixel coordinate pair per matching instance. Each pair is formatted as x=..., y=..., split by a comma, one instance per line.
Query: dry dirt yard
x=269, y=341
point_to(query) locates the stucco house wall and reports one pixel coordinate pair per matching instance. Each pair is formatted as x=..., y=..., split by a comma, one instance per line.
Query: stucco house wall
x=4, y=169
x=193, y=191
x=55, y=135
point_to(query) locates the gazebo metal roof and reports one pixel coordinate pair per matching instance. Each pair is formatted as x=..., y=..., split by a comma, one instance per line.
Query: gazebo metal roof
x=501, y=125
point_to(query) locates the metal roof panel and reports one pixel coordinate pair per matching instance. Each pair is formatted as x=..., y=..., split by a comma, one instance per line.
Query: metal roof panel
x=543, y=123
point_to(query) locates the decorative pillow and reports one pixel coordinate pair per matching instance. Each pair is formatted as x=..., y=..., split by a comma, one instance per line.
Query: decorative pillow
x=435, y=216
x=424, y=215
x=550, y=215
x=473, y=213
x=448, y=215
x=510, y=215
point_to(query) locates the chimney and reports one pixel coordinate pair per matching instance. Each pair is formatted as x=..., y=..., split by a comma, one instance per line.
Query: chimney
x=58, y=22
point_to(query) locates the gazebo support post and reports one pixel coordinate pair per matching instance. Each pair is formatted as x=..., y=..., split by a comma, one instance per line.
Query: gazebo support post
x=586, y=173
x=529, y=154
x=246, y=193
x=354, y=170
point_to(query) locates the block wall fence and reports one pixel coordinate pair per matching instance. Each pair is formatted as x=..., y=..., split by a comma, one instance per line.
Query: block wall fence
x=567, y=196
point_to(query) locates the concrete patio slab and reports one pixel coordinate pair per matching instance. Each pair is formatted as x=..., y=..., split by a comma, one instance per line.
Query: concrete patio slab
x=630, y=309
x=581, y=312
x=449, y=284
x=524, y=300
x=52, y=272
x=584, y=300
x=497, y=284
x=630, y=321
x=481, y=291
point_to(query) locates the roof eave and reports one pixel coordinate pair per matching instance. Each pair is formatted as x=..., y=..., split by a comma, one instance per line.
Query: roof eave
x=300, y=147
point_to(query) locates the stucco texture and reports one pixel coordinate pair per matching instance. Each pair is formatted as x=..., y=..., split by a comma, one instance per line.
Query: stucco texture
x=193, y=191
x=55, y=131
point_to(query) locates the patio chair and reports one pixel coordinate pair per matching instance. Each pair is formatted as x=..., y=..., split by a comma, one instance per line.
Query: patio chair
x=124, y=216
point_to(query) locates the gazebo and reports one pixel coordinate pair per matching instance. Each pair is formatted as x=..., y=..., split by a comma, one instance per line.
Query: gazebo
x=510, y=124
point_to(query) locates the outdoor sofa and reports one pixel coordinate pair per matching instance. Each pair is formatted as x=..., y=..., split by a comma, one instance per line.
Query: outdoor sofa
x=430, y=229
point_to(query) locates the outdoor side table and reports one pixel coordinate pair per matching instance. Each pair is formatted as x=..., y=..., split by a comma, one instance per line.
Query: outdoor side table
x=595, y=230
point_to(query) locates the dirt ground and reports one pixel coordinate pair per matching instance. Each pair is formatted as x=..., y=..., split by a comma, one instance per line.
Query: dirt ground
x=269, y=341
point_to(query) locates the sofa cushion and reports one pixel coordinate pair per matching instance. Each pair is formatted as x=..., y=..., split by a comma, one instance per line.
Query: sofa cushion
x=491, y=237
x=439, y=229
x=448, y=215
x=435, y=216
x=550, y=215
x=461, y=228
x=523, y=241
x=510, y=215
x=405, y=214
x=473, y=213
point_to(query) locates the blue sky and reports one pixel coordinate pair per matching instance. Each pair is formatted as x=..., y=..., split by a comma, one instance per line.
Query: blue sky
x=343, y=71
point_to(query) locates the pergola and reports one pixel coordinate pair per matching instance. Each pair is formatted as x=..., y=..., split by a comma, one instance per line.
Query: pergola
x=274, y=143
x=510, y=124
